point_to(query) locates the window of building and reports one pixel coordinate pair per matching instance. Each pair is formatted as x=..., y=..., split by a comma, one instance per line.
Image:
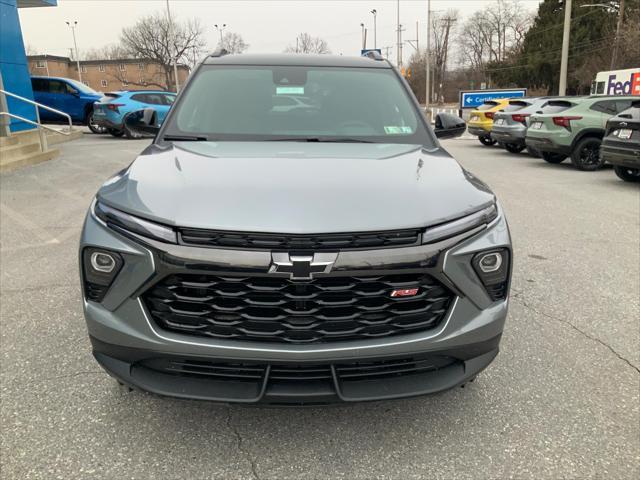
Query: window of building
x=101, y=68
x=125, y=83
x=122, y=67
x=103, y=83
x=41, y=64
x=83, y=69
x=141, y=66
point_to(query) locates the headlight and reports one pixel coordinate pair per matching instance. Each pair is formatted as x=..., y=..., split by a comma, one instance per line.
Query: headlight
x=450, y=229
x=124, y=221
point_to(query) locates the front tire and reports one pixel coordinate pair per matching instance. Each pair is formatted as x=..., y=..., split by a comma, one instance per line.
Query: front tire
x=487, y=141
x=115, y=132
x=586, y=155
x=513, y=148
x=627, y=174
x=553, y=157
x=94, y=127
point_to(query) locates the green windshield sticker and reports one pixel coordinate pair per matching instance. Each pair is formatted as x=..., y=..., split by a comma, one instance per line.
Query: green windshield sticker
x=393, y=130
x=289, y=90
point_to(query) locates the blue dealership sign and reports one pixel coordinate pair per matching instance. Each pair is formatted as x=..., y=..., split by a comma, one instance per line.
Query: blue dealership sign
x=475, y=98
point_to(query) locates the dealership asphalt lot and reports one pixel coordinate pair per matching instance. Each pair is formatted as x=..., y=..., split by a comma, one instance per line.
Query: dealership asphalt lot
x=560, y=401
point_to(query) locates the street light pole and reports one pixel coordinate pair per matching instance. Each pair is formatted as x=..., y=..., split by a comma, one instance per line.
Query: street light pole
x=75, y=45
x=428, y=62
x=220, y=30
x=172, y=39
x=375, y=28
x=564, y=62
x=362, y=35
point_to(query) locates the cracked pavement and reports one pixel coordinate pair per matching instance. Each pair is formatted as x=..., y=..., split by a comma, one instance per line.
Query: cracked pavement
x=560, y=401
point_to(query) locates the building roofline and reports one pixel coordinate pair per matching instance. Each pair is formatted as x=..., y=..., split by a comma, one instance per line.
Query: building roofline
x=116, y=61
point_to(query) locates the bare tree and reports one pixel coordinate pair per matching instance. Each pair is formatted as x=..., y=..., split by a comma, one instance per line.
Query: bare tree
x=492, y=35
x=152, y=38
x=233, y=43
x=442, y=26
x=31, y=50
x=306, y=43
x=114, y=51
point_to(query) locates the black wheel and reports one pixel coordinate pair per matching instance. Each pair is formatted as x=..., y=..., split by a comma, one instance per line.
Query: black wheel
x=586, y=154
x=627, y=174
x=533, y=152
x=487, y=141
x=513, y=148
x=115, y=132
x=94, y=127
x=553, y=157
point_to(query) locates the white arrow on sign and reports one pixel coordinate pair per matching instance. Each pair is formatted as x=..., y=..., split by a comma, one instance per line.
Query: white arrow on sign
x=469, y=100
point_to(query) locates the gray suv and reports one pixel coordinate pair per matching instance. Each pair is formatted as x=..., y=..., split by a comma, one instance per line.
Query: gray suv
x=334, y=252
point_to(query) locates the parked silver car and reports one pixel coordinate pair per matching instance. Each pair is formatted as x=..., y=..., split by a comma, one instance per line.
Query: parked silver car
x=510, y=124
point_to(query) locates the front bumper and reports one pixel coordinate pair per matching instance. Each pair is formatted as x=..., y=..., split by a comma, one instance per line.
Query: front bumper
x=125, y=339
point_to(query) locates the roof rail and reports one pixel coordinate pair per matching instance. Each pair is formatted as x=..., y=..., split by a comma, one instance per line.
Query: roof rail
x=220, y=52
x=373, y=55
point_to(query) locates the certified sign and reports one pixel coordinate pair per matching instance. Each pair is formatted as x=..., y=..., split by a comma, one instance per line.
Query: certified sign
x=475, y=98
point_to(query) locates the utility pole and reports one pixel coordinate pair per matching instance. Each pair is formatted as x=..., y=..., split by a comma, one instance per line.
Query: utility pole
x=75, y=45
x=428, y=62
x=399, y=42
x=614, y=56
x=564, y=62
x=172, y=39
x=375, y=28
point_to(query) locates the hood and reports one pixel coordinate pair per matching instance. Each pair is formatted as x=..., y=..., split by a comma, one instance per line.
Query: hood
x=293, y=187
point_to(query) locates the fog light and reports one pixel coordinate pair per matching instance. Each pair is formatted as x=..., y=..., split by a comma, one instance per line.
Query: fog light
x=100, y=268
x=493, y=269
x=490, y=262
x=102, y=262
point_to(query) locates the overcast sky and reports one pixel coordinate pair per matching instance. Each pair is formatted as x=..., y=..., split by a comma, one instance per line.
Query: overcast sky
x=267, y=26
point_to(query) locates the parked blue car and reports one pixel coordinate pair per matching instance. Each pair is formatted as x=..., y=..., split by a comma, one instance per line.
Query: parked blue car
x=67, y=95
x=111, y=110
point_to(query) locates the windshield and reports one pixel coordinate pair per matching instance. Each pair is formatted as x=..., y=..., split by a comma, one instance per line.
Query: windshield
x=81, y=86
x=297, y=103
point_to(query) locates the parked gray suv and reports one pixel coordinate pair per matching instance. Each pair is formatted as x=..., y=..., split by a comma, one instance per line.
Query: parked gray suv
x=307, y=256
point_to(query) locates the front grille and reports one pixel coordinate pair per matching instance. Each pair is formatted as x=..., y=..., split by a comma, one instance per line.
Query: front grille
x=270, y=241
x=274, y=309
x=256, y=372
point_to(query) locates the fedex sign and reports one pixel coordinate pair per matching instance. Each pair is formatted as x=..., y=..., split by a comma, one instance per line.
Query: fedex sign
x=630, y=87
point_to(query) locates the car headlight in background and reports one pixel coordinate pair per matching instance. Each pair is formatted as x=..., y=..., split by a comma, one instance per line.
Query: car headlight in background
x=100, y=268
x=129, y=223
x=461, y=225
x=492, y=266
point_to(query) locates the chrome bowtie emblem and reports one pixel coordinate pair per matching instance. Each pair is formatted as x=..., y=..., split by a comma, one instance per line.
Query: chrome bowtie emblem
x=302, y=267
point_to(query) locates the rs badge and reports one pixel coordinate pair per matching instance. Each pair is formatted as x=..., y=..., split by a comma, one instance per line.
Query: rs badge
x=409, y=292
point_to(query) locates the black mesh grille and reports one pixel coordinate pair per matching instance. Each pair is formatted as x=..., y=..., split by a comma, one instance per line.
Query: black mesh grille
x=336, y=241
x=252, y=372
x=281, y=310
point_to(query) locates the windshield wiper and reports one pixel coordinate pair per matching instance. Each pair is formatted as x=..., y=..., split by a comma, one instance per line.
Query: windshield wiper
x=184, y=138
x=321, y=140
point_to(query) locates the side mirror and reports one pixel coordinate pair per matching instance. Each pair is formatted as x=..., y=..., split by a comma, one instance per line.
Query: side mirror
x=449, y=126
x=143, y=122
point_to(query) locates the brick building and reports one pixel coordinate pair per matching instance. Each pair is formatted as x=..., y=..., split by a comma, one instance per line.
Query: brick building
x=107, y=75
